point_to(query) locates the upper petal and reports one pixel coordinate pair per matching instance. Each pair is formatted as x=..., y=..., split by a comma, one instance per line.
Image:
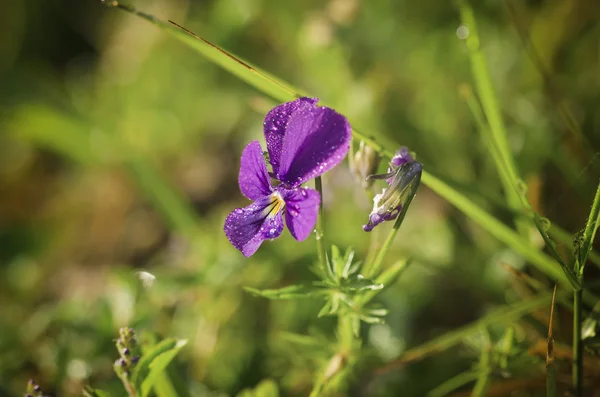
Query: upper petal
x=301, y=211
x=246, y=228
x=275, y=126
x=253, y=178
x=316, y=140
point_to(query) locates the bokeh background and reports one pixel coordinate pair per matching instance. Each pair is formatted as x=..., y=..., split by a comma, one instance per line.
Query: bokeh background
x=119, y=152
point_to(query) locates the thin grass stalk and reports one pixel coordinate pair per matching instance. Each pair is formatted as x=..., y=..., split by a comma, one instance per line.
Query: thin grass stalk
x=506, y=314
x=496, y=134
x=550, y=367
x=453, y=383
x=485, y=369
x=589, y=234
x=577, y=345
x=566, y=238
x=273, y=87
x=582, y=253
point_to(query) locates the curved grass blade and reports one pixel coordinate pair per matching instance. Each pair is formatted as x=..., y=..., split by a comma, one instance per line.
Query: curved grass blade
x=284, y=92
x=506, y=314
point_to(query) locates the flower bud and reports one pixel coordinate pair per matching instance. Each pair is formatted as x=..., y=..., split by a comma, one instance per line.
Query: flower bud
x=33, y=389
x=403, y=183
x=128, y=351
x=363, y=163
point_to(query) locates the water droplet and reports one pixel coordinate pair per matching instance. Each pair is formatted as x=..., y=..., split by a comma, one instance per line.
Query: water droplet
x=293, y=212
x=272, y=232
x=544, y=223
x=522, y=187
x=303, y=192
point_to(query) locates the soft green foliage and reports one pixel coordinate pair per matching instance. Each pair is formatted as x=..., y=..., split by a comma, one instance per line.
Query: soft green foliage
x=120, y=151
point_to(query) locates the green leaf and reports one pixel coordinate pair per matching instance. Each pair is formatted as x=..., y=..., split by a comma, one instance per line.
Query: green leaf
x=150, y=353
x=158, y=365
x=331, y=307
x=337, y=261
x=88, y=391
x=291, y=292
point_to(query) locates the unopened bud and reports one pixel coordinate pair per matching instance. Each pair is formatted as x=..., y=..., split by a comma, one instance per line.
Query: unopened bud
x=387, y=205
x=363, y=163
x=33, y=389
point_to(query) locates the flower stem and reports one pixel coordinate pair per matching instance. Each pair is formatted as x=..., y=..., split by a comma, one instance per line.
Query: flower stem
x=374, y=236
x=319, y=228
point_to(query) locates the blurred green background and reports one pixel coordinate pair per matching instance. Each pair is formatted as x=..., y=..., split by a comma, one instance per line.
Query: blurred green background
x=119, y=152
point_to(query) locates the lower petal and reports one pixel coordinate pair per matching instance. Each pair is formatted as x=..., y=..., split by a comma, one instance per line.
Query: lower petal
x=246, y=228
x=301, y=211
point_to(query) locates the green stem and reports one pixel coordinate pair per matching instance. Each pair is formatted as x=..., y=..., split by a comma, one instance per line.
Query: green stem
x=345, y=333
x=374, y=237
x=281, y=92
x=484, y=368
x=589, y=233
x=577, y=345
x=496, y=134
x=319, y=228
x=453, y=383
x=506, y=314
x=498, y=229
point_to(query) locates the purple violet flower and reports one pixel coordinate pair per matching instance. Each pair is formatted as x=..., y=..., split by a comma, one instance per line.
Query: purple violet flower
x=303, y=141
x=403, y=178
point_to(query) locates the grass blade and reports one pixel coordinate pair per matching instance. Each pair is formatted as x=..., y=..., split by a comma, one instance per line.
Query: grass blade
x=485, y=368
x=495, y=135
x=589, y=233
x=550, y=368
x=270, y=86
x=505, y=314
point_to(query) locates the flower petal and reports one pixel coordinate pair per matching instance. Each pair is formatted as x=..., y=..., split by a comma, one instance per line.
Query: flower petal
x=316, y=140
x=254, y=180
x=301, y=211
x=275, y=126
x=402, y=156
x=246, y=228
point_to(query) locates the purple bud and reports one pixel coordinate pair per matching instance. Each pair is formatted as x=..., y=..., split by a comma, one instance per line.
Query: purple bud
x=388, y=204
x=126, y=351
x=135, y=359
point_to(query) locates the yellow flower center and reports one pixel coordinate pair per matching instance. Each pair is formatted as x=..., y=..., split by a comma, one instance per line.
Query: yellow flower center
x=276, y=205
